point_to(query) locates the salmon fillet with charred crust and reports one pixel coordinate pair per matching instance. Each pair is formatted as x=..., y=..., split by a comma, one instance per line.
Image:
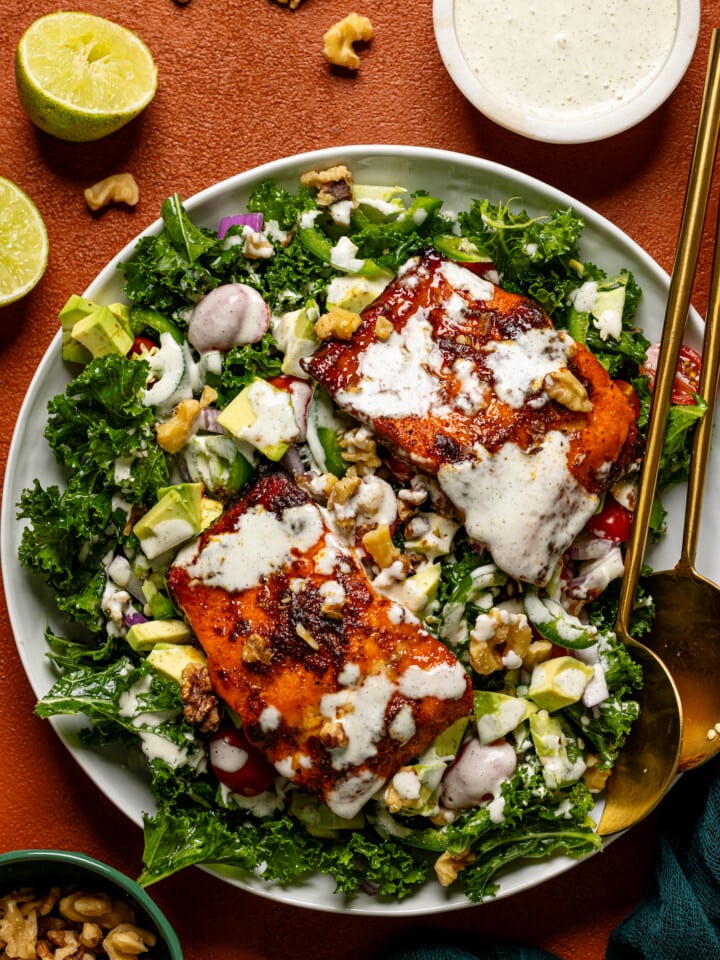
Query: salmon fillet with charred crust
x=337, y=686
x=522, y=426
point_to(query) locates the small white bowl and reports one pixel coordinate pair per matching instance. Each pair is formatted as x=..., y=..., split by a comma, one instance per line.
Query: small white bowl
x=533, y=111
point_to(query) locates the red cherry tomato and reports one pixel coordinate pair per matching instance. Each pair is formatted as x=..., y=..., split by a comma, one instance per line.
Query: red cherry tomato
x=141, y=345
x=238, y=764
x=631, y=393
x=612, y=523
x=687, y=376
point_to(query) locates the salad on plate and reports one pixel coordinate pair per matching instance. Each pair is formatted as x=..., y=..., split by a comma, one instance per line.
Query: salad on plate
x=338, y=550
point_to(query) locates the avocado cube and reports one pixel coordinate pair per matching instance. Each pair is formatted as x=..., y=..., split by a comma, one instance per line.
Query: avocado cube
x=172, y=658
x=175, y=518
x=295, y=332
x=102, y=332
x=263, y=416
x=144, y=636
x=355, y=293
x=556, y=683
x=210, y=510
x=497, y=714
x=416, y=593
x=75, y=309
x=446, y=744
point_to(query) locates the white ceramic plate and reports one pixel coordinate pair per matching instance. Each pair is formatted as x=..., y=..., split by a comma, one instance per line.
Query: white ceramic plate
x=455, y=178
x=595, y=119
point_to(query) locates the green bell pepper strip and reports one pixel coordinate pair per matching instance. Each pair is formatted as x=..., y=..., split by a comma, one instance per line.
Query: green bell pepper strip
x=555, y=624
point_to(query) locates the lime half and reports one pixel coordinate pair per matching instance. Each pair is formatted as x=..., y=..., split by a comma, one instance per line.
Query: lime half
x=80, y=77
x=23, y=243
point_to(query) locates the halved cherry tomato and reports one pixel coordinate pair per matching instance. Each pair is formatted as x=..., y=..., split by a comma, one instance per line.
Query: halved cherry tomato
x=140, y=346
x=613, y=522
x=631, y=393
x=238, y=764
x=687, y=376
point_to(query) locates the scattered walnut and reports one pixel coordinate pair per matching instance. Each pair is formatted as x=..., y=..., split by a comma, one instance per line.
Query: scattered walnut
x=537, y=652
x=379, y=545
x=173, y=434
x=332, y=735
x=100, y=908
x=256, y=649
x=339, y=323
x=449, y=865
x=359, y=448
x=494, y=635
x=338, y=41
x=292, y=4
x=595, y=778
x=345, y=488
x=383, y=328
x=118, y=188
x=333, y=184
x=302, y=631
x=565, y=388
x=200, y=705
x=126, y=942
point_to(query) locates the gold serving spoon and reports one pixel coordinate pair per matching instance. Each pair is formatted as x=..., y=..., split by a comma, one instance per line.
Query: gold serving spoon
x=652, y=754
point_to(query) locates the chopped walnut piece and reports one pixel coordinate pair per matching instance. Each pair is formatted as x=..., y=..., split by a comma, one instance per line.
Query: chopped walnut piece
x=383, y=328
x=18, y=932
x=339, y=40
x=332, y=735
x=332, y=185
x=594, y=777
x=256, y=649
x=292, y=4
x=118, y=188
x=341, y=492
x=174, y=433
x=448, y=865
x=200, y=705
x=126, y=942
x=359, y=448
x=494, y=635
x=379, y=545
x=565, y=388
x=338, y=323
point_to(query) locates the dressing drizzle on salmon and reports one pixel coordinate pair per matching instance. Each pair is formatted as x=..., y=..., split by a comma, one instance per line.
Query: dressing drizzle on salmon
x=337, y=686
x=522, y=426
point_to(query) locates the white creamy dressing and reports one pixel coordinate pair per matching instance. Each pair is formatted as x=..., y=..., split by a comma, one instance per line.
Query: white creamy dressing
x=526, y=507
x=259, y=546
x=520, y=366
x=227, y=757
x=565, y=57
x=154, y=745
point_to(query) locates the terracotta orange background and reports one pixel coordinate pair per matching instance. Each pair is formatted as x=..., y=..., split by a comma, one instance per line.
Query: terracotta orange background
x=243, y=82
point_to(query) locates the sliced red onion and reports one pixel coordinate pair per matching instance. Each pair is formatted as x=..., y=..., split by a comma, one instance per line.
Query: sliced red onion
x=292, y=461
x=252, y=220
x=589, y=547
x=210, y=415
x=132, y=617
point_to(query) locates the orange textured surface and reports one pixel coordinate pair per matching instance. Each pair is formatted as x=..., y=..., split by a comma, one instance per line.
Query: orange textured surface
x=240, y=84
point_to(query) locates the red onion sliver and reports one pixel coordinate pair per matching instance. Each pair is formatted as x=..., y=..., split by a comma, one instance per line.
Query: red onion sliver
x=252, y=220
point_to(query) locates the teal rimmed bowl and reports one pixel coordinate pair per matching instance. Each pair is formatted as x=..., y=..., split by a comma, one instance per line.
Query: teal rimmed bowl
x=42, y=869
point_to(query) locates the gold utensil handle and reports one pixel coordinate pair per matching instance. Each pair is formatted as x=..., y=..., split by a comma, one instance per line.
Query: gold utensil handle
x=707, y=389
x=678, y=305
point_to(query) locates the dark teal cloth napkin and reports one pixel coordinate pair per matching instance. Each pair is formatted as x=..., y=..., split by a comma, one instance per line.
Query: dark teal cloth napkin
x=678, y=916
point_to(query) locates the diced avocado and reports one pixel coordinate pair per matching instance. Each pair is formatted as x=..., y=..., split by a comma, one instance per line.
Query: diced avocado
x=497, y=714
x=175, y=518
x=144, y=636
x=160, y=605
x=210, y=510
x=172, y=658
x=102, y=332
x=263, y=416
x=558, y=682
x=446, y=744
x=75, y=309
x=295, y=334
x=557, y=749
x=417, y=592
x=318, y=819
x=355, y=293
